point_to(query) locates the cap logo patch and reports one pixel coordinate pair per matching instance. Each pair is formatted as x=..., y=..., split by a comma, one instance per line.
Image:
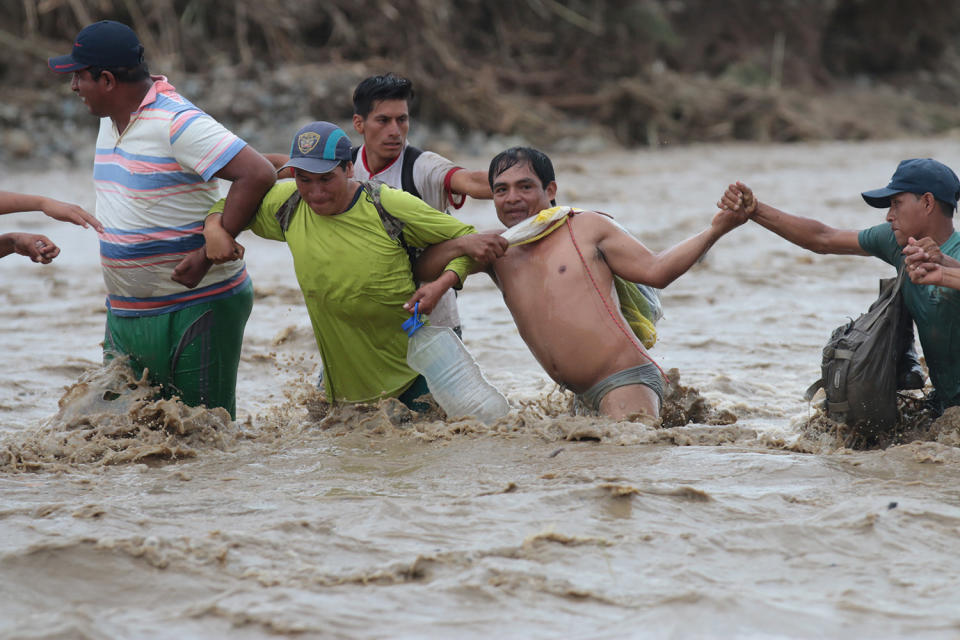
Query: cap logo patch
x=306, y=142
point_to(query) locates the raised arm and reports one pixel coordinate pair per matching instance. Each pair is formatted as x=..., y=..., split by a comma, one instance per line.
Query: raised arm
x=630, y=259
x=804, y=232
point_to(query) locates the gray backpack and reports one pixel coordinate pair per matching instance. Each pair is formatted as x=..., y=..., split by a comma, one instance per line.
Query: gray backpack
x=866, y=360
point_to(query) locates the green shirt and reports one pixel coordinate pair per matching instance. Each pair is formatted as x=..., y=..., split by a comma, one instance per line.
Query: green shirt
x=354, y=280
x=935, y=310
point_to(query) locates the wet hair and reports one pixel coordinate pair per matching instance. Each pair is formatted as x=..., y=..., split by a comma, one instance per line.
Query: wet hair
x=377, y=88
x=123, y=74
x=537, y=161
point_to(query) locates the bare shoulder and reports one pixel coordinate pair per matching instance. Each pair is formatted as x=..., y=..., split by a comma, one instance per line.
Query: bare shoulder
x=598, y=223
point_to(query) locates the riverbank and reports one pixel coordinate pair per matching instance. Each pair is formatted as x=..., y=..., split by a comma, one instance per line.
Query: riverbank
x=49, y=127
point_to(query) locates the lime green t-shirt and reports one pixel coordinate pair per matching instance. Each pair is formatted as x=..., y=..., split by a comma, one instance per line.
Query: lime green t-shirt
x=935, y=311
x=355, y=279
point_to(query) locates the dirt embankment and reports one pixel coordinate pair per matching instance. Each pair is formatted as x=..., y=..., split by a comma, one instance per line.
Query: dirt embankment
x=567, y=74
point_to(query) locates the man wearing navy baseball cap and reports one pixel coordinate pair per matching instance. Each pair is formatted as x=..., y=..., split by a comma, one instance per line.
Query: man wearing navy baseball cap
x=155, y=168
x=920, y=200
x=349, y=242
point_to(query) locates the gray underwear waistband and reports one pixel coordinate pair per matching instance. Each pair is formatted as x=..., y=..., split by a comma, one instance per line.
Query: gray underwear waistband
x=645, y=374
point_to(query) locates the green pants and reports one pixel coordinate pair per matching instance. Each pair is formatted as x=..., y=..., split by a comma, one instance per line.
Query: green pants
x=192, y=353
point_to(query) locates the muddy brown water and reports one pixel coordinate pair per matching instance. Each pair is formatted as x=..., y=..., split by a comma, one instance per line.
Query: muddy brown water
x=297, y=521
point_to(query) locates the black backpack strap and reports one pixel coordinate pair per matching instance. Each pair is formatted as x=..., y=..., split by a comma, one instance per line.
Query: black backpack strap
x=410, y=156
x=391, y=224
x=285, y=213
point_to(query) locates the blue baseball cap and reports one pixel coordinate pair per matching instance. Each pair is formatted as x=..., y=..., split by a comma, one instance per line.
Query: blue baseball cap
x=318, y=148
x=102, y=44
x=919, y=176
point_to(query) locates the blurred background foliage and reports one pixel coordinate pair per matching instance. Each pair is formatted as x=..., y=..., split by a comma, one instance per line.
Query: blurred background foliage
x=636, y=72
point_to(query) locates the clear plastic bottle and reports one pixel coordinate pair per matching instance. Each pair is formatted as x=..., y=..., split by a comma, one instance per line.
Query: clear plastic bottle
x=454, y=377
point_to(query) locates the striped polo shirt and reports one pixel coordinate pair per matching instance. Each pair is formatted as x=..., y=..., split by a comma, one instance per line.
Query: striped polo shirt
x=154, y=184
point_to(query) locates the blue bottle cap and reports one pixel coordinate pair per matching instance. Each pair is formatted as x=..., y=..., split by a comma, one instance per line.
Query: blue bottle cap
x=414, y=322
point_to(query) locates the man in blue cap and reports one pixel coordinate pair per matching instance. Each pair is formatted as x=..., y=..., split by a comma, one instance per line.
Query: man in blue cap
x=920, y=200
x=349, y=243
x=155, y=168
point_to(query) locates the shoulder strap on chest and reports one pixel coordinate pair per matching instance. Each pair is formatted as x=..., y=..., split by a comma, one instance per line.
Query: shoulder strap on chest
x=406, y=171
x=285, y=213
x=393, y=226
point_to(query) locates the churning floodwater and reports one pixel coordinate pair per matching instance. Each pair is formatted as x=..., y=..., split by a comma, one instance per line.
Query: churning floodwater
x=126, y=518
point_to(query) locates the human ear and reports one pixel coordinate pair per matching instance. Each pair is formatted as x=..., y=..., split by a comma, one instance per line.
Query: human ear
x=551, y=190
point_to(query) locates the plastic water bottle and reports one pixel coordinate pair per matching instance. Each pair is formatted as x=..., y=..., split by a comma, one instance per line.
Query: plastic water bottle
x=454, y=377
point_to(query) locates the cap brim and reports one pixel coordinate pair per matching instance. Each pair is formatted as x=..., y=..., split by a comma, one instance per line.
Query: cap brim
x=879, y=198
x=313, y=165
x=65, y=64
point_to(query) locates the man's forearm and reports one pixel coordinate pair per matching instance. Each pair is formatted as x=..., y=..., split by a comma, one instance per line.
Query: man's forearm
x=241, y=205
x=800, y=231
x=471, y=183
x=677, y=260
x=432, y=262
x=6, y=244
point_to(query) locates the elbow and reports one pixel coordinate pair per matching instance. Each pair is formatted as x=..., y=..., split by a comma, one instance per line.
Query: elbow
x=266, y=176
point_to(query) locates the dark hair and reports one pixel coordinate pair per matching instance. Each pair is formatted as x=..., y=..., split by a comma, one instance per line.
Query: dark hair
x=377, y=88
x=945, y=208
x=123, y=74
x=537, y=160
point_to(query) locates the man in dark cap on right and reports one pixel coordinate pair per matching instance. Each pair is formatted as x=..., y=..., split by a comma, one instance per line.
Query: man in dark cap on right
x=920, y=200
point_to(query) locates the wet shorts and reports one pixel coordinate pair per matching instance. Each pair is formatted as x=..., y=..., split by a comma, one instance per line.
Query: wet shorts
x=192, y=353
x=645, y=374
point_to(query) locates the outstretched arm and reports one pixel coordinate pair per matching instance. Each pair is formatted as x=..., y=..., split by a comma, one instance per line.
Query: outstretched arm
x=471, y=183
x=36, y=247
x=484, y=248
x=11, y=202
x=630, y=259
x=804, y=232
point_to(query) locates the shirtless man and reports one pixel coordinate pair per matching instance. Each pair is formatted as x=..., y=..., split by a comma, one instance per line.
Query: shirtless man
x=559, y=289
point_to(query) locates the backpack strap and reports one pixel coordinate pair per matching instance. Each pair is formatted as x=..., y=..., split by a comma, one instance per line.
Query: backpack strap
x=410, y=156
x=812, y=390
x=285, y=213
x=391, y=224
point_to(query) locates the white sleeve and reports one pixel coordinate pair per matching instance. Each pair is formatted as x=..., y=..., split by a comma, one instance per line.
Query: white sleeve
x=201, y=143
x=430, y=172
